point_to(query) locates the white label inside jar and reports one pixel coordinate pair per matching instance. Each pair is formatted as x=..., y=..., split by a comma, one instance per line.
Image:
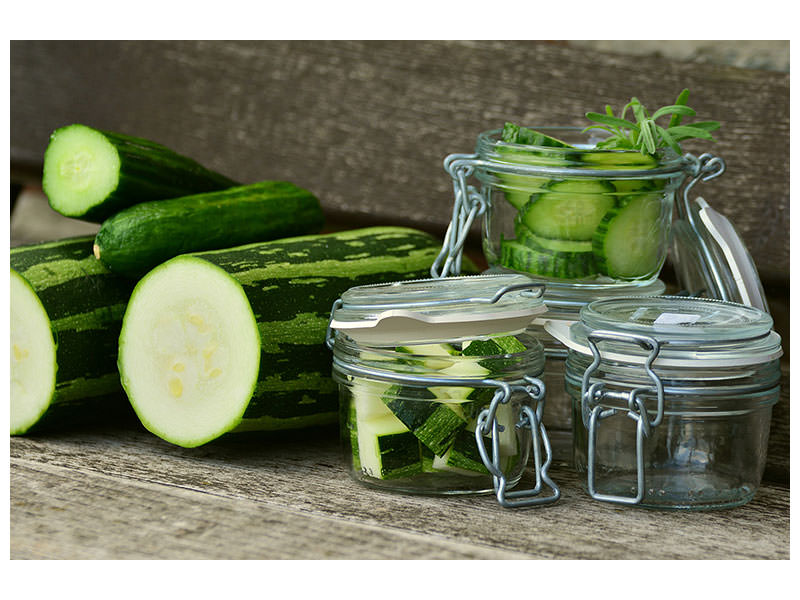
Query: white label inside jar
x=676, y=319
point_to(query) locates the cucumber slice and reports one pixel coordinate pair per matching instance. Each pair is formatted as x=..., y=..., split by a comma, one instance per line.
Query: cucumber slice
x=569, y=210
x=387, y=449
x=619, y=159
x=546, y=263
x=537, y=242
x=190, y=338
x=519, y=188
x=33, y=356
x=628, y=242
x=514, y=134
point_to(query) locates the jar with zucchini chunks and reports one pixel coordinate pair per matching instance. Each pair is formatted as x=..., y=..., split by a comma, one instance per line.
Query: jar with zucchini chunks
x=439, y=389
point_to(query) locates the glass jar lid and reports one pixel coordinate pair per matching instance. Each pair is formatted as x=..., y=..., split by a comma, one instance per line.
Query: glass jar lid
x=691, y=332
x=429, y=310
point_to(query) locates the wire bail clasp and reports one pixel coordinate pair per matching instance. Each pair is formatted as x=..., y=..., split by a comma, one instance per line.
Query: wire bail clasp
x=531, y=418
x=593, y=412
x=469, y=203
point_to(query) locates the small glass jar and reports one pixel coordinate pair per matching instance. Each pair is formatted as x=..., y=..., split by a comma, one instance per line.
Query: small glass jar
x=568, y=214
x=564, y=303
x=696, y=379
x=438, y=386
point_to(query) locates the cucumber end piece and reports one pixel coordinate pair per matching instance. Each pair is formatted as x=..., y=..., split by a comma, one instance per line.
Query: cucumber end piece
x=189, y=351
x=33, y=356
x=81, y=169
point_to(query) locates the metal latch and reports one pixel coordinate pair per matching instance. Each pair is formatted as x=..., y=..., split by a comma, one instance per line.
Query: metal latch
x=592, y=396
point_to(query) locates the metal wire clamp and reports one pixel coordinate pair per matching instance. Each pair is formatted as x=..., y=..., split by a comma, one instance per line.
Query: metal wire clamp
x=530, y=418
x=592, y=396
x=469, y=203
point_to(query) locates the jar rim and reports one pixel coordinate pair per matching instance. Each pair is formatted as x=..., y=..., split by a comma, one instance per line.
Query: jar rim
x=667, y=161
x=379, y=362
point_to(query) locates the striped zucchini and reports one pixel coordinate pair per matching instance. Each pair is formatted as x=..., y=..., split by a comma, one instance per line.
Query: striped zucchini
x=66, y=313
x=91, y=174
x=233, y=340
x=142, y=236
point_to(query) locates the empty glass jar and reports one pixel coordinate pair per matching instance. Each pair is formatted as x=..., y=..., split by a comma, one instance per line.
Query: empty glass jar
x=672, y=399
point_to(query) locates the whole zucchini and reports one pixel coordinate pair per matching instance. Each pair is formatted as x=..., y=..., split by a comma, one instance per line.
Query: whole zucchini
x=142, y=236
x=92, y=174
x=233, y=340
x=66, y=314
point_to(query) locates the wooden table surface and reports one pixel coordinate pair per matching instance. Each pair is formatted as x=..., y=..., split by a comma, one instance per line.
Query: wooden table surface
x=122, y=493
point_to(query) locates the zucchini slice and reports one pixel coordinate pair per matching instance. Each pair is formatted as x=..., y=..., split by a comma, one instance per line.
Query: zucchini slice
x=33, y=356
x=628, y=242
x=189, y=351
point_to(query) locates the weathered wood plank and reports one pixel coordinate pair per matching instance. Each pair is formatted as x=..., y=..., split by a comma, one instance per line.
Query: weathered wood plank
x=366, y=124
x=88, y=515
x=274, y=473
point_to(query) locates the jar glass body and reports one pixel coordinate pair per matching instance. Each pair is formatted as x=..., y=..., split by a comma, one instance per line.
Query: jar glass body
x=419, y=437
x=577, y=214
x=708, y=452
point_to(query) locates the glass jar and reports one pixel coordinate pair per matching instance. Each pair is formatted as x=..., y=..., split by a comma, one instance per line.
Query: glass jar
x=569, y=213
x=697, y=379
x=438, y=386
x=564, y=303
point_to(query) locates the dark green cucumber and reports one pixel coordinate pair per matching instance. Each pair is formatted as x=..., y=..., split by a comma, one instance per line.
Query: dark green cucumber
x=387, y=449
x=280, y=294
x=546, y=263
x=569, y=210
x=142, y=236
x=628, y=241
x=92, y=174
x=66, y=313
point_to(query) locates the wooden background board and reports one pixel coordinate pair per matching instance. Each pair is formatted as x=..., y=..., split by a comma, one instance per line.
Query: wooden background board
x=365, y=126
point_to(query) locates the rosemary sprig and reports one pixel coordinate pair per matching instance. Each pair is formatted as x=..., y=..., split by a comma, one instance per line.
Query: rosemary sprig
x=644, y=133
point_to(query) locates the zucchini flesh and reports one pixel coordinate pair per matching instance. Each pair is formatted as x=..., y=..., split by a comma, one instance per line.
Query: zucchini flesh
x=92, y=174
x=33, y=356
x=442, y=419
x=66, y=313
x=142, y=236
x=288, y=287
x=627, y=243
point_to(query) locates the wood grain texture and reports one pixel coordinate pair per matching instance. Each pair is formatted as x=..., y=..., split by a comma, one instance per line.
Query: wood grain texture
x=366, y=124
x=122, y=493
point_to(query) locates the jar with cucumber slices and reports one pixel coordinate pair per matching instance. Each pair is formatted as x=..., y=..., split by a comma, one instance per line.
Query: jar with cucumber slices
x=439, y=388
x=560, y=209
x=589, y=205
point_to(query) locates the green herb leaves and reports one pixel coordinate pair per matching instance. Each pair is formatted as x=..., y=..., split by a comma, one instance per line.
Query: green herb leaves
x=645, y=134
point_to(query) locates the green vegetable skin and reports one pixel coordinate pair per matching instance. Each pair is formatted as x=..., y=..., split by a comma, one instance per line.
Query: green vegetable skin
x=142, y=236
x=383, y=419
x=66, y=314
x=92, y=174
x=233, y=340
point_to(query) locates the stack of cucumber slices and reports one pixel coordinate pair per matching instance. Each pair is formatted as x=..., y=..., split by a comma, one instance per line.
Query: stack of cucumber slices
x=580, y=228
x=403, y=431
